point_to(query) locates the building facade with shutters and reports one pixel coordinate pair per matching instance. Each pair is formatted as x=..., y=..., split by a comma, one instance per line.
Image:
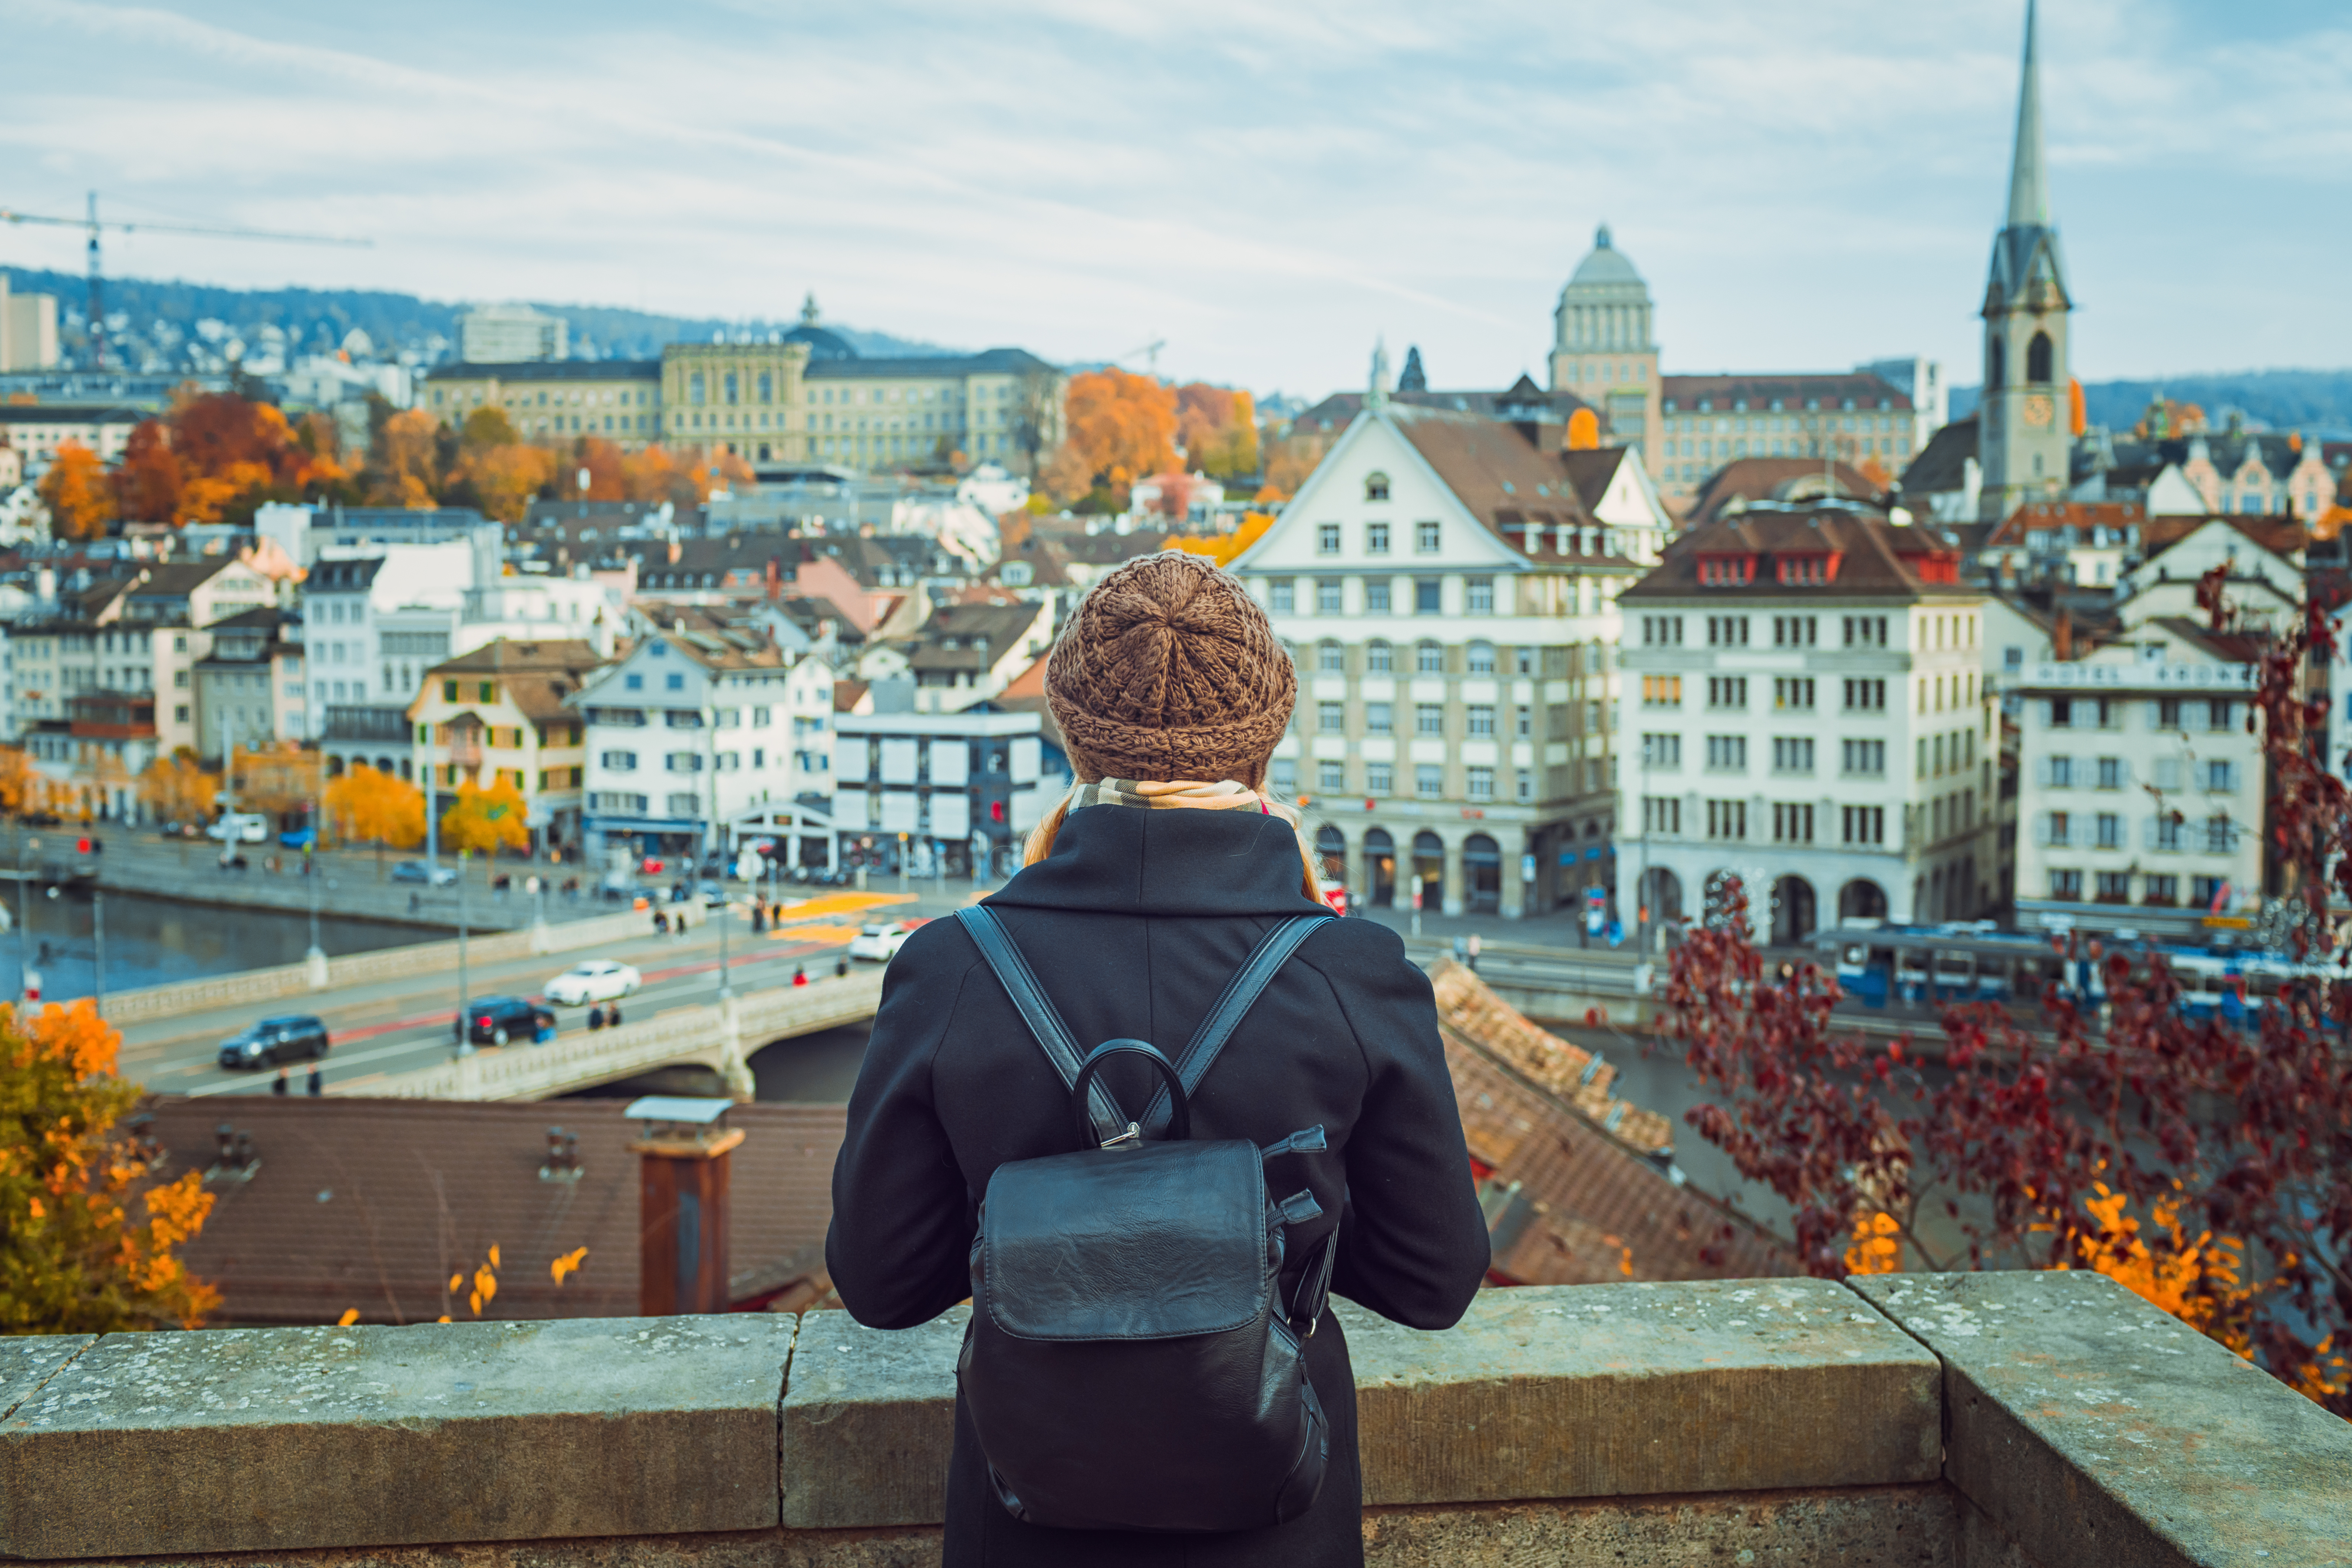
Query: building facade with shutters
x=939, y=794
x=1803, y=710
x=1447, y=584
x=2141, y=792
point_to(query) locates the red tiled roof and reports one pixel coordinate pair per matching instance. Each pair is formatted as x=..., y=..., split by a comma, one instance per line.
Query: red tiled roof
x=2278, y=535
x=1744, y=481
x=1874, y=558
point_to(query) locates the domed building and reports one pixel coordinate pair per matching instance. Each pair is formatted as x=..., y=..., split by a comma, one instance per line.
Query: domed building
x=1603, y=347
x=824, y=343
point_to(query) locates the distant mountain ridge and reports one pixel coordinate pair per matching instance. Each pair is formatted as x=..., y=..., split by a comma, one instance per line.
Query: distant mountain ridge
x=317, y=318
x=2314, y=400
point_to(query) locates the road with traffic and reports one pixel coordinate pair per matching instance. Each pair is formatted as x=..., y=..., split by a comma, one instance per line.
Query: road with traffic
x=387, y=1028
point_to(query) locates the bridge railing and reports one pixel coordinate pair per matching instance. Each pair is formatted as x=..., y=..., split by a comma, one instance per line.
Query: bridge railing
x=1969, y=1421
x=256, y=985
x=715, y=1036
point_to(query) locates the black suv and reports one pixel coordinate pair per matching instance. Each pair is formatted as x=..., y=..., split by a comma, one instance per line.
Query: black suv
x=495, y=1020
x=297, y=1038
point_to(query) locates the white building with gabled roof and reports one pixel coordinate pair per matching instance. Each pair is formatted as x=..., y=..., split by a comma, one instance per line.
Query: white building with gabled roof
x=1447, y=584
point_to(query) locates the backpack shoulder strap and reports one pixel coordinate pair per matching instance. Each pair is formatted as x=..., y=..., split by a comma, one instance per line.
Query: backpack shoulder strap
x=1240, y=994
x=1052, y=1036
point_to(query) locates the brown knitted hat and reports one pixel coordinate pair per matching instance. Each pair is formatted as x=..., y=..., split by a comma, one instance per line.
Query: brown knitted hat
x=1169, y=670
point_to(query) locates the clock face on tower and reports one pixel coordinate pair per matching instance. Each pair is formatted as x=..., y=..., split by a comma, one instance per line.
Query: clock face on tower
x=2037, y=411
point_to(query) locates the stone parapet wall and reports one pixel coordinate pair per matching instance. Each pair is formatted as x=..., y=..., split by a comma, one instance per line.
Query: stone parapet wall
x=1957, y=1421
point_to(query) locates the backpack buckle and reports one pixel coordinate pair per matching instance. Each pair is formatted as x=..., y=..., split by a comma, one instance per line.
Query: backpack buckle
x=1133, y=1134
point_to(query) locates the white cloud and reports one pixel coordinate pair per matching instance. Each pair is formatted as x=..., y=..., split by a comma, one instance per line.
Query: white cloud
x=1266, y=187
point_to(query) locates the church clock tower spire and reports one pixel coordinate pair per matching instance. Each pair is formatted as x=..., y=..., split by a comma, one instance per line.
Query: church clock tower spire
x=2024, y=421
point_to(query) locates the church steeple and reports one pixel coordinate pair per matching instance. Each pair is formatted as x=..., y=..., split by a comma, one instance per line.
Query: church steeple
x=2028, y=190
x=2024, y=438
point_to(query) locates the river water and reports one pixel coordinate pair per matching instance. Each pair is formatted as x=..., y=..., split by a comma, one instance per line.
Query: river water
x=154, y=942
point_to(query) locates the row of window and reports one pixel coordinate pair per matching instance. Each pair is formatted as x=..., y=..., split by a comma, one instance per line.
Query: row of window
x=1428, y=719
x=1428, y=658
x=1792, y=822
x=691, y=762
x=1790, y=754
x=1788, y=631
x=2159, y=890
x=1379, y=778
x=2169, y=714
x=1428, y=538
x=2217, y=835
x=1790, y=694
x=1428, y=595
x=2114, y=772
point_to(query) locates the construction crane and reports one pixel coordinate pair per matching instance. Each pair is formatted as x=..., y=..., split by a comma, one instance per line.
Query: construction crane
x=1151, y=349
x=97, y=288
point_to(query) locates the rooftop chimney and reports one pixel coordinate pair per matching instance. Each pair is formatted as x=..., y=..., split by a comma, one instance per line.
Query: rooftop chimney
x=682, y=1153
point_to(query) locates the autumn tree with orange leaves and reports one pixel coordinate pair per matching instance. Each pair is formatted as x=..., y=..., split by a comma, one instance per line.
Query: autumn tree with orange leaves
x=91, y=1218
x=1217, y=427
x=1122, y=426
x=75, y=491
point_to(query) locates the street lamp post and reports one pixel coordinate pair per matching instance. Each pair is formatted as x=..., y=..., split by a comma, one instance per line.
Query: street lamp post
x=465, y=1036
x=711, y=847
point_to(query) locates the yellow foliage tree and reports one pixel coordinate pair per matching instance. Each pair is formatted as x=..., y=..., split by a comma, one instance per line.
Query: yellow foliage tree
x=1121, y=428
x=177, y=789
x=1223, y=549
x=366, y=807
x=507, y=476
x=77, y=493
x=90, y=1229
x=277, y=778
x=19, y=781
x=486, y=820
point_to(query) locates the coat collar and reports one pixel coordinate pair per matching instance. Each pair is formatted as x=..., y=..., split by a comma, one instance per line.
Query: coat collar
x=1118, y=858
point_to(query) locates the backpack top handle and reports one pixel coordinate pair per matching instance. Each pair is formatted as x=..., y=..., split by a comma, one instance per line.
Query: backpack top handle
x=1179, y=1126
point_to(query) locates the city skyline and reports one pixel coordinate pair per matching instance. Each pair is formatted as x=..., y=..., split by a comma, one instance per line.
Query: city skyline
x=1330, y=179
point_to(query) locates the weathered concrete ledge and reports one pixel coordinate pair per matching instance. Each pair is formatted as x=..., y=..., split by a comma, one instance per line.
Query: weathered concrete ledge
x=2010, y=1421
x=293, y=1438
x=2085, y=1425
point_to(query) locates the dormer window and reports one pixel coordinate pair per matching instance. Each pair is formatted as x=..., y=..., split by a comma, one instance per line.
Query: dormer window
x=1376, y=487
x=1806, y=571
x=1726, y=571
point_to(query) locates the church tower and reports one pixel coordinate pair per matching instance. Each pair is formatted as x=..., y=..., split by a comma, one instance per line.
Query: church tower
x=2025, y=422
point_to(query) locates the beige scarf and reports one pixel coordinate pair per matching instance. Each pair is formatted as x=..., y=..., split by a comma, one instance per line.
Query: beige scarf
x=1164, y=794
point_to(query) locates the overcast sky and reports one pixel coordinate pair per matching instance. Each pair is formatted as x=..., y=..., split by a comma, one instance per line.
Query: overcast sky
x=1267, y=186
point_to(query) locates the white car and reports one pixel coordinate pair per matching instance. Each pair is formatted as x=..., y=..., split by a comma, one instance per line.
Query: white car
x=239, y=827
x=880, y=943
x=597, y=980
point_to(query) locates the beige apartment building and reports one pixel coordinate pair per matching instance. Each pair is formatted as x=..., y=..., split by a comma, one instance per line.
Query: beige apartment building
x=806, y=397
x=1448, y=584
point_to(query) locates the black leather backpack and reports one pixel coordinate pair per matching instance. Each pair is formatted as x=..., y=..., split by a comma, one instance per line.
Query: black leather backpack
x=1130, y=1363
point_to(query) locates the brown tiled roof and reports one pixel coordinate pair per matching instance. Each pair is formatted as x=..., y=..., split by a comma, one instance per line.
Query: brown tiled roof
x=1744, y=481
x=374, y=1204
x=538, y=677
x=849, y=694
x=995, y=629
x=1683, y=393
x=1877, y=559
x=1569, y=1196
x=2229, y=647
x=2042, y=514
x=1569, y=1205
x=1468, y=1010
x=1335, y=411
x=1507, y=483
x=2278, y=535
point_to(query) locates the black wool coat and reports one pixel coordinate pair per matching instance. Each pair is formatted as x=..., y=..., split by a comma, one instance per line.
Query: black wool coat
x=1133, y=925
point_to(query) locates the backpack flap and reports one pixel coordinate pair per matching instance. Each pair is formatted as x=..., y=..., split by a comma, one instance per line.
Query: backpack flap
x=1066, y=1238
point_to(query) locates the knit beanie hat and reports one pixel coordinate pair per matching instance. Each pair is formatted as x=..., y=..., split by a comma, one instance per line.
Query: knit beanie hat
x=1169, y=670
